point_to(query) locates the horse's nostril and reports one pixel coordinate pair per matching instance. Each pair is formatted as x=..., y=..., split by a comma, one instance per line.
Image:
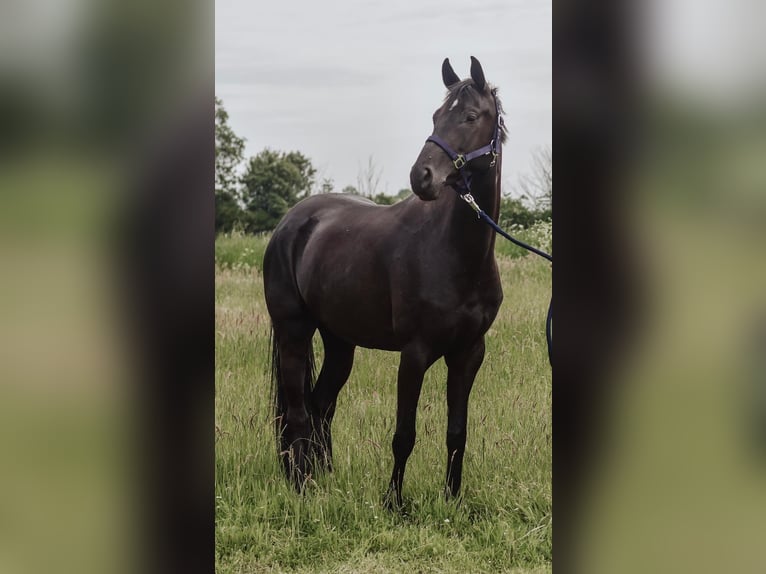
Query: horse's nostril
x=421, y=178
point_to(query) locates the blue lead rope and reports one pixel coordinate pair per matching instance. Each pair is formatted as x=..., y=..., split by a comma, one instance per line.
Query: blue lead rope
x=518, y=242
x=488, y=220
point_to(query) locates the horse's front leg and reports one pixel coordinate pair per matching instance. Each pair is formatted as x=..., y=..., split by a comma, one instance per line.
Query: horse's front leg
x=462, y=368
x=413, y=364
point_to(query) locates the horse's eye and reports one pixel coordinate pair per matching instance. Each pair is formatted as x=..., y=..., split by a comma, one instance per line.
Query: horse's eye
x=471, y=117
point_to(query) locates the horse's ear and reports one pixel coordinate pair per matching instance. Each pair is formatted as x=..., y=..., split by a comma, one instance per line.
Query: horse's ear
x=449, y=77
x=477, y=74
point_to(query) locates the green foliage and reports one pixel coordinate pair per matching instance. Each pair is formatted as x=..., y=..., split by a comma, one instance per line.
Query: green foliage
x=380, y=198
x=403, y=193
x=239, y=251
x=539, y=234
x=228, y=212
x=532, y=226
x=327, y=185
x=273, y=182
x=383, y=199
x=503, y=522
x=514, y=212
x=229, y=153
x=534, y=191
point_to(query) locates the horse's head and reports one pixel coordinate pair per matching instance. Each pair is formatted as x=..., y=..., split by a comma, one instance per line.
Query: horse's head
x=467, y=121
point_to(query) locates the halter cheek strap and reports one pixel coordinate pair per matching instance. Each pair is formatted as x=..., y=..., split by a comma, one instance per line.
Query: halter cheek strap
x=460, y=161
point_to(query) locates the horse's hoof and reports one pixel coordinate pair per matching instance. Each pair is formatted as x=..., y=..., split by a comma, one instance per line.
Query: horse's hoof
x=323, y=463
x=392, y=502
x=303, y=482
x=453, y=497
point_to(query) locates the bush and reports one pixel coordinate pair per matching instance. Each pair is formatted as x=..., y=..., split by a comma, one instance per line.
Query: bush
x=539, y=235
x=514, y=212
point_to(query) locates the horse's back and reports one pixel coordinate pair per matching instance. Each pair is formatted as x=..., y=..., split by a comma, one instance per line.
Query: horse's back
x=318, y=211
x=324, y=208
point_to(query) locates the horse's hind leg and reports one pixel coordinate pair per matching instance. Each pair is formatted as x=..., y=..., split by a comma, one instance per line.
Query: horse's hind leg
x=338, y=360
x=293, y=340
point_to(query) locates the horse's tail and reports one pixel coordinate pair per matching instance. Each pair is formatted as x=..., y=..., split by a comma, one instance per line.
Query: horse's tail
x=277, y=394
x=277, y=390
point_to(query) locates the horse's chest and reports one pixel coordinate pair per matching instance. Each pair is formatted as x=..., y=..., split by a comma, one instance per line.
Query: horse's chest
x=477, y=312
x=466, y=312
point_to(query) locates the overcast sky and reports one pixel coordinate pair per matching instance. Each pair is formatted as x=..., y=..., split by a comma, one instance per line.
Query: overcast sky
x=343, y=81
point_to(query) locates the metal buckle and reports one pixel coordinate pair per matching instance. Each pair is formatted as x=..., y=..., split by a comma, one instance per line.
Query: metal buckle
x=459, y=162
x=468, y=198
x=493, y=151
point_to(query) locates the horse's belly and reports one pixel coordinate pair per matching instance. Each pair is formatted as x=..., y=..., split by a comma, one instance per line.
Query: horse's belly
x=359, y=321
x=353, y=305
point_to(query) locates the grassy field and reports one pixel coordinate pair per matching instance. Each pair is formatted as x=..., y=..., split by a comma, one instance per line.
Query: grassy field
x=503, y=523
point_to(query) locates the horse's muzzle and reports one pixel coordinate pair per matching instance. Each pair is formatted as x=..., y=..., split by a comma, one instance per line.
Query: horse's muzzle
x=422, y=182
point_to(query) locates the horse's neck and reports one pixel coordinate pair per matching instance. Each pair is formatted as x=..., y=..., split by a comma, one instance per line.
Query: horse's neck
x=488, y=196
x=472, y=238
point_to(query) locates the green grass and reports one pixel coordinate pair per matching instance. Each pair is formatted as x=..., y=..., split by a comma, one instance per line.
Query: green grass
x=238, y=251
x=503, y=523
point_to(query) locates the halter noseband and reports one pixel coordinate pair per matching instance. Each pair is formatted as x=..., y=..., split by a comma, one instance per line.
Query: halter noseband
x=460, y=161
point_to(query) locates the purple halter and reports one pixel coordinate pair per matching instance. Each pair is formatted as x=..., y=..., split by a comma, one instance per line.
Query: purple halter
x=460, y=161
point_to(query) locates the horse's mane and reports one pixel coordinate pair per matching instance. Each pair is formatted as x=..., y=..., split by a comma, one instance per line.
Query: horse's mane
x=462, y=87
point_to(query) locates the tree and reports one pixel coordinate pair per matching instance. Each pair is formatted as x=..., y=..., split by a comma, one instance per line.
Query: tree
x=228, y=212
x=327, y=185
x=274, y=182
x=383, y=199
x=514, y=212
x=368, y=179
x=537, y=187
x=229, y=153
x=532, y=201
x=403, y=194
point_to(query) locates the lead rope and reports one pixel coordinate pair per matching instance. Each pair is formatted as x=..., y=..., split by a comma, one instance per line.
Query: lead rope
x=469, y=199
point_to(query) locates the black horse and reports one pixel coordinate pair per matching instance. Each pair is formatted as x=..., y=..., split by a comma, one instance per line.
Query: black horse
x=418, y=277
